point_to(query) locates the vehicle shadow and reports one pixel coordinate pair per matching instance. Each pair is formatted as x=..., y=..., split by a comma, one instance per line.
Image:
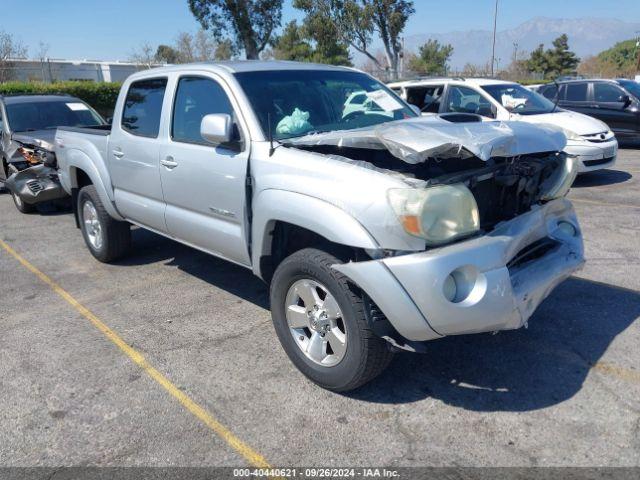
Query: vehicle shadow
x=601, y=178
x=149, y=247
x=520, y=370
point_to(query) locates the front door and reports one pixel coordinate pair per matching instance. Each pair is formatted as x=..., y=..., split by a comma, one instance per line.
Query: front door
x=134, y=151
x=611, y=110
x=204, y=184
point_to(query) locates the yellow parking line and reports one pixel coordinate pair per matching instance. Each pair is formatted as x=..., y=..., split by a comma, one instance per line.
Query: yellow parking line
x=253, y=457
x=616, y=371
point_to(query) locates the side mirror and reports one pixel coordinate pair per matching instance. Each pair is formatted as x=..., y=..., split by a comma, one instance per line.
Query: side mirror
x=217, y=128
x=625, y=100
x=109, y=120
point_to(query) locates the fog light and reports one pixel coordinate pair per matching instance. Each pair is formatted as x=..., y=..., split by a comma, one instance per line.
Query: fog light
x=450, y=289
x=567, y=229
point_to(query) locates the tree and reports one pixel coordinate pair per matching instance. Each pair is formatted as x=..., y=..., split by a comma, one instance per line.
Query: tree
x=292, y=44
x=311, y=42
x=10, y=48
x=144, y=56
x=538, y=62
x=432, y=59
x=623, y=56
x=561, y=59
x=167, y=54
x=553, y=62
x=356, y=21
x=251, y=23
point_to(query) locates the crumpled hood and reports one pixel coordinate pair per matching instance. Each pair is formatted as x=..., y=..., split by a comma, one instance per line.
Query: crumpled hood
x=40, y=138
x=415, y=140
x=576, y=122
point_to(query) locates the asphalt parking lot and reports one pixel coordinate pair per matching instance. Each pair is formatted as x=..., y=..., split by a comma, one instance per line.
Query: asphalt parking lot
x=564, y=392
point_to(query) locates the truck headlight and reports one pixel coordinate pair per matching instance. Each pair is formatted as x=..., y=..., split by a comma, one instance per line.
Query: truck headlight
x=560, y=182
x=439, y=214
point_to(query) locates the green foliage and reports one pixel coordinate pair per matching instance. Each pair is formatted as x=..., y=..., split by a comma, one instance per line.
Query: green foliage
x=555, y=61
x=432, y=59
x=167, y=54
x=251, y=23
x=314, y=41
x=101, y=96
x=623, y=55
x=355, y=22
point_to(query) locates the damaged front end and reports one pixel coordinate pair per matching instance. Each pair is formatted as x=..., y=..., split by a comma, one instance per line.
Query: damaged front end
x=461, y=178
x=499, y=186
x=33, y=175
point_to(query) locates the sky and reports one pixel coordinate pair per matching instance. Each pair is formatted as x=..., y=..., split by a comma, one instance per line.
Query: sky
x=114, y=29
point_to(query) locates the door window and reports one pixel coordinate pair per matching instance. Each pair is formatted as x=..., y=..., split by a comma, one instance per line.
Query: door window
x=143, y=107
x=606, y=92
x=576, y=92
x=195, y=98
x=467, y=100
x=549, y=92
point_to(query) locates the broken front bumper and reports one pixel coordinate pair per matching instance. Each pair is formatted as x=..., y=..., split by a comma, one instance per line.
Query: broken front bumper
x=36, y=185
x=494, y=282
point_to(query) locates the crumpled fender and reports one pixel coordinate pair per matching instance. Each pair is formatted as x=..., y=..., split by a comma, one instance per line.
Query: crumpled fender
x=307, y=212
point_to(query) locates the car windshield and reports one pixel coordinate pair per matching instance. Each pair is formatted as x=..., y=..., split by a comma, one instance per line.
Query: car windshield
x=43, y=115
x=518, y=99
x=292, y=103
x=632, y=87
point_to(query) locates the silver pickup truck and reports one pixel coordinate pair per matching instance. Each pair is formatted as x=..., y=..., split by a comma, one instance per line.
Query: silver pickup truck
x=377, y=230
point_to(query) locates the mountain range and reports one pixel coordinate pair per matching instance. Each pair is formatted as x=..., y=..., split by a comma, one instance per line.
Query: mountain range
x=587, y=36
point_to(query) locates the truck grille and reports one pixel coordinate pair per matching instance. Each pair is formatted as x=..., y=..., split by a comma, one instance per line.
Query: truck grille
x=512, y=189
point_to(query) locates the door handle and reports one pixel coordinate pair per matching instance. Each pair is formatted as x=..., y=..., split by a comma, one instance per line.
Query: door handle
x=118, y=153
x=169, y=162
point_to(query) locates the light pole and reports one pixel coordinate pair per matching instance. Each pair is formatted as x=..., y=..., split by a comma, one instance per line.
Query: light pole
x=493, y=48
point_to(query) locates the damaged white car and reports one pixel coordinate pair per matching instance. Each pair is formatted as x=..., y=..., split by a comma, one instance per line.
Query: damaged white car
x=375, y=230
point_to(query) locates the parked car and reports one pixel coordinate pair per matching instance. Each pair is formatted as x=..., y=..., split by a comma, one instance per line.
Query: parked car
x=374, y=232
x=589, y=139
x=28, y=125
x=615, y=102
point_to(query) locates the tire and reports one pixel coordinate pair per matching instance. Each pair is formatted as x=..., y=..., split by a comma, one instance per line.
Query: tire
x=21, y=205
x=106, y=238
x=364, y=355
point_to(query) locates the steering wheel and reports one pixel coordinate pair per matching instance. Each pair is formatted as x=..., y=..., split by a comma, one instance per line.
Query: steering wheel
x=351, y=116
x=520, y=106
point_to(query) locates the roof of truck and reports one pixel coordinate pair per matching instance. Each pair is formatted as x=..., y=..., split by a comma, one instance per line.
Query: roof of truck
x=237, y=66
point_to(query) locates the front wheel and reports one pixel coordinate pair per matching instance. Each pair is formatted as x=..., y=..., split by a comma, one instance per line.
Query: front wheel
x=320, y=321
x=107, y=239
x=21, y=205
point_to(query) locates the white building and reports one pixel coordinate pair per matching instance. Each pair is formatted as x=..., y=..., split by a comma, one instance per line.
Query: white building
x=50, y=70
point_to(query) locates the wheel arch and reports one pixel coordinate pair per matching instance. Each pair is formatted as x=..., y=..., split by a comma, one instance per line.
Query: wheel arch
x=284, y=222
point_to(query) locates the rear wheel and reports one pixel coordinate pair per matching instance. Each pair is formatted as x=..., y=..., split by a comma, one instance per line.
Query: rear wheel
x=107, y=239
x=320, y=321
x=21, y=205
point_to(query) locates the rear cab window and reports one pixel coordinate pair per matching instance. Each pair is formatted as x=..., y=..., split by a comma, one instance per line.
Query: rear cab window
x=143, y=107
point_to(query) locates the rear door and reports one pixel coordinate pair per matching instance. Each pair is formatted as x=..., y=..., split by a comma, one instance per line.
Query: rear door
x=613, y=111
x=575, y=96
x=204, y=184
x=134, y=154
